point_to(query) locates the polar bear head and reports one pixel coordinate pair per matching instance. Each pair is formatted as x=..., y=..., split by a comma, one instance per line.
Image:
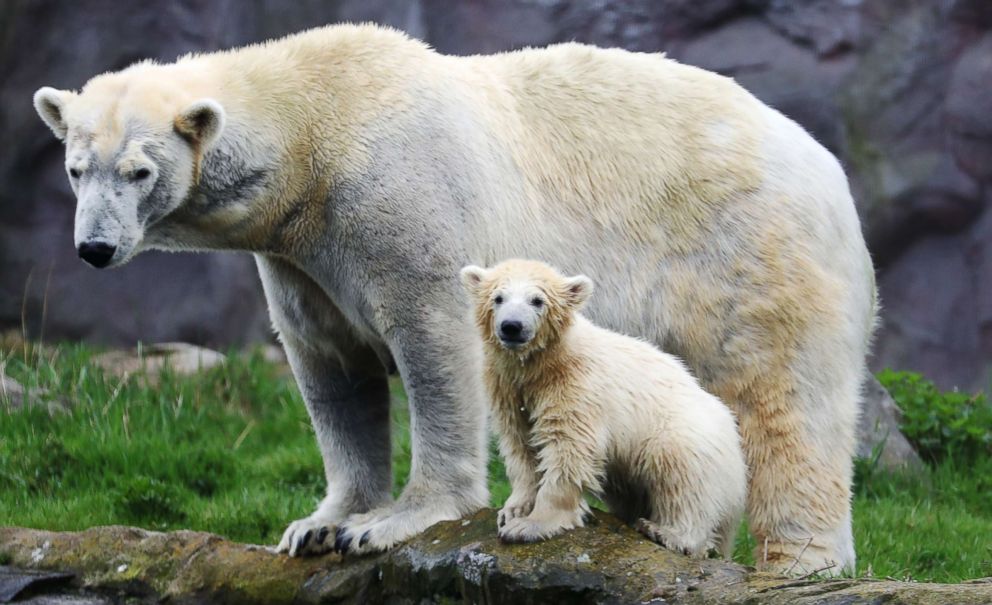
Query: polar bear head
x=524, y=306
x=134, y=141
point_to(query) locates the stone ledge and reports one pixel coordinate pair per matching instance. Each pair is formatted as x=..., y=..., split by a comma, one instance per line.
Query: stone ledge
x=458, y=561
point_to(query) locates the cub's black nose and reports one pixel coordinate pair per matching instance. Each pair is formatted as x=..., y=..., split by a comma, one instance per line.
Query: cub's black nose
x=511, y=329
x=97, y=254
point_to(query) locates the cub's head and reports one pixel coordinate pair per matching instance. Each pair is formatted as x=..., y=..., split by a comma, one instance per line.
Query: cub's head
x=134, y=140
x=523, y=306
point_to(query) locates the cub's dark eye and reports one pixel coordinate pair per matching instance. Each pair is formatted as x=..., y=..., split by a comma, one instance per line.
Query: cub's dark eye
x=498, y=300
x=537, y=302
x=74, y=173
x=141, y=174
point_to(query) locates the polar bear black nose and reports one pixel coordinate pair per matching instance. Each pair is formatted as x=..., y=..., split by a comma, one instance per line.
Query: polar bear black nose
x=97, y=254
x=510, y=329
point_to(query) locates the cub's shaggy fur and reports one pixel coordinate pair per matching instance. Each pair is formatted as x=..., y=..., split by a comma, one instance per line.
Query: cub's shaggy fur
x=580, y=408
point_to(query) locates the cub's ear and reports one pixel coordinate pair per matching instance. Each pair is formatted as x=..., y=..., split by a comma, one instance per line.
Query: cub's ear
x=472, y=277
x=202, y=122
x=577, y=290
x=50, y=105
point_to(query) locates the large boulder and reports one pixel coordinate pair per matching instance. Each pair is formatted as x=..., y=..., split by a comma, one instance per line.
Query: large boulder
x=452, y=562
x=969, y=106
x=879, y=435
x=149, y=361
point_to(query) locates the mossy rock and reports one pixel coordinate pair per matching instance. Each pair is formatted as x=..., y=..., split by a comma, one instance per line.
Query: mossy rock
x=452, y=562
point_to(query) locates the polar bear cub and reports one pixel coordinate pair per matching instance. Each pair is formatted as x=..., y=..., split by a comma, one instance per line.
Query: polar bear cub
x=580, y=408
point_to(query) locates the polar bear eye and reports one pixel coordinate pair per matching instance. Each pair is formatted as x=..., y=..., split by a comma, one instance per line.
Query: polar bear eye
x=537, y=302
x=141, y=174
x=498, y=300
x=74, y=173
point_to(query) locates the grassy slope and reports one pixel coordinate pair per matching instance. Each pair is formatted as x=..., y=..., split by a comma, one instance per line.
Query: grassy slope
x=232, y=452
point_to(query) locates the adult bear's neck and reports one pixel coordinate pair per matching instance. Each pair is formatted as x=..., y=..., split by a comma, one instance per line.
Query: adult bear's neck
x=298, y=114
x=258, y=172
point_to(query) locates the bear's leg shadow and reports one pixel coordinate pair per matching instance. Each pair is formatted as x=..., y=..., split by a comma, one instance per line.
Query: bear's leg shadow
x=441, y=370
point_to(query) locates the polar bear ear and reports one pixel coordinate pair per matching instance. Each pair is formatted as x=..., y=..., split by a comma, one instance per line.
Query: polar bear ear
x=50, y=105
x=202, y=122
x=472, y=277
x=577, y=290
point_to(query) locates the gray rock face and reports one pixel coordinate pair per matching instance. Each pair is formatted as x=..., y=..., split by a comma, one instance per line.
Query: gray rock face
x=898, y=89
x=15, y=396
x=879, y=433
x=150, y=361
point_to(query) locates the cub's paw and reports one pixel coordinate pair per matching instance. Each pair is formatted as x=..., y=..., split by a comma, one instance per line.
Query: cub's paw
x=313, y=535
x=531, y=529
x=513, y=510
x=669, y=539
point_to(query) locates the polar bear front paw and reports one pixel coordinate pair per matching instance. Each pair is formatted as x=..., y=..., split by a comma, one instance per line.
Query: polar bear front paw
x=313, y=535
x=384, y=528
x=534, y=529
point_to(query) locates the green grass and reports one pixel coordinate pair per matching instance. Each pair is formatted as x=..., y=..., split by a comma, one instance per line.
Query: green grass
x=931, y=524
x=231, y=451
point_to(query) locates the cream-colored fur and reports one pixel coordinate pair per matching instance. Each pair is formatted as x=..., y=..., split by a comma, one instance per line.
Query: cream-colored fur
x=582, y=409
x=363, y=169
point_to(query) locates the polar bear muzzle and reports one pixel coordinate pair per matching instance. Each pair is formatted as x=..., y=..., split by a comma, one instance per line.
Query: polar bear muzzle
x=133, y=157
x=98, y=254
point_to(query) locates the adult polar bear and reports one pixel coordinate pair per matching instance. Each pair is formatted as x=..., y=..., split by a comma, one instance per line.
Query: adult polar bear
x=364, y=170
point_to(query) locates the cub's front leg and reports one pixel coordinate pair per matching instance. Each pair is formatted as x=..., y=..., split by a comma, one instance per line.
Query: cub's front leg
x=521, y=463
x=567, y=460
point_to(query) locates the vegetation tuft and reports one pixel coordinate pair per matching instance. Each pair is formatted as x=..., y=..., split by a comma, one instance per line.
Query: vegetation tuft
x=941, y=425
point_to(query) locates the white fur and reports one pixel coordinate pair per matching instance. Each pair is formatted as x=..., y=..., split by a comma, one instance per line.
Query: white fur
x=50, y=105
x=580, y=408
x=363, y=169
